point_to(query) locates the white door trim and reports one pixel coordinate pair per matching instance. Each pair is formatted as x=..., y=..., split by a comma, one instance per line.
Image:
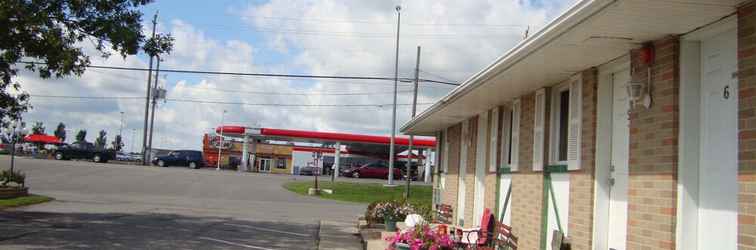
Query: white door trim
x=689, y=141
x=480, y=168
x=464, y=141
x=603, y=154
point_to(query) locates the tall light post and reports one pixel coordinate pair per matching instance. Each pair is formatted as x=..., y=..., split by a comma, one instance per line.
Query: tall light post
x=220, y=141
x=133, y=134
x=14, y=137
x=396, y=86
x=120, y=129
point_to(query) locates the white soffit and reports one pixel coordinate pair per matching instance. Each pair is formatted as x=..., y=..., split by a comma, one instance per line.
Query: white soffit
x=589, y=34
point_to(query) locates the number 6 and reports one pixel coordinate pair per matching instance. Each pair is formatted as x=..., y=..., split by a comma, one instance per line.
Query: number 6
x=726, y=94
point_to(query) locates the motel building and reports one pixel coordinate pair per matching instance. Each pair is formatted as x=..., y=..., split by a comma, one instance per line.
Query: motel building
x=622, y=124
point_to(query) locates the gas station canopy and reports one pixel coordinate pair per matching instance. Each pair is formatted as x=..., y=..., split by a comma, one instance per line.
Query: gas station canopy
x=364, y=144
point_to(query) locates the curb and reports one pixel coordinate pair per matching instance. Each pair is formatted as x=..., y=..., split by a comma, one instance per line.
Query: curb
x=338, y=236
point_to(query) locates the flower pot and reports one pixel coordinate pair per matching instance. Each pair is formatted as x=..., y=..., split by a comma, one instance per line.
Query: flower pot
x=390, y=225
x=402, y=246
x=13, y=192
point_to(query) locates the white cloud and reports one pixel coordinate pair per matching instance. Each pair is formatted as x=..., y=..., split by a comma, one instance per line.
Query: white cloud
x=318, y=37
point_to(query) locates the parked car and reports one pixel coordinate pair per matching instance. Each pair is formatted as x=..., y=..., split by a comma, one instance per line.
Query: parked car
x=84, y=150
x=136, y=156
x=123, y=157
x=189, y=158
x=376, y=169
x=309, y=170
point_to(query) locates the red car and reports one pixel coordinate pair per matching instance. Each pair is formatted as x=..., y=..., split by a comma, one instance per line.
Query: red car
x=376, y=169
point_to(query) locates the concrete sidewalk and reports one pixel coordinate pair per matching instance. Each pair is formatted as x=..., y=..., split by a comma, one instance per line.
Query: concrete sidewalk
x=338, y=236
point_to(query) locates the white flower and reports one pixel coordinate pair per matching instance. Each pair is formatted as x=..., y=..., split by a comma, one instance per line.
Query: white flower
x=413, y=219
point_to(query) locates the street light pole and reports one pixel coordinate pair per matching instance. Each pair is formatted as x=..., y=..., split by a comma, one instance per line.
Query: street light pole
x=120, y=129
x=14, y=134
x=220, y=141
x=393, y=112
x=133, y=134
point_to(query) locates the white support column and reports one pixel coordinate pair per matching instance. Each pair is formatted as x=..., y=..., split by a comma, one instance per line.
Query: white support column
x=253, y=157
x=427, y=173
x=245, y=154
x=336, y=161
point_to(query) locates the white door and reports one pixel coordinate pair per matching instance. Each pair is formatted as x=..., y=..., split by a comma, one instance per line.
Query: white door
x=480, y=169
x=718, y=185
x=265, y=165
x=619, y=161
x=464, y=143
x=560, y=184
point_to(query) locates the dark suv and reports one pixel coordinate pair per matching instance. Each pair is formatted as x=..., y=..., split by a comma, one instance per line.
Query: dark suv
x=189, y=158
x=84, y=150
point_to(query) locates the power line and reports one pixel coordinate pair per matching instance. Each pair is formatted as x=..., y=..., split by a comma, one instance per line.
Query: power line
x=290, y=105
x=220, y=102
x=368, y=34
x=436, y=75
x=403, y=79
x=294, y=93
x=373, y=22
x=89, y=97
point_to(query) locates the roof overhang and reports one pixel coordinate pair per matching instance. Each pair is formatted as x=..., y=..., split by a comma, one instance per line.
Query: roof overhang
x=589, y=34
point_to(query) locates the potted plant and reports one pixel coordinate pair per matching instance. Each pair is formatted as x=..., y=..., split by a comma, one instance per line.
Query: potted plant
x=420, y=237
x=391, y=212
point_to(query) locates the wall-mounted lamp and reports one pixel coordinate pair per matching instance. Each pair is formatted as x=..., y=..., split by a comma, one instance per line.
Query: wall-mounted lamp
x=640, y=92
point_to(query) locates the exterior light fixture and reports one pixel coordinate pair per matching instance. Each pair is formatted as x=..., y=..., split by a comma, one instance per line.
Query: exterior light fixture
x=640, y=92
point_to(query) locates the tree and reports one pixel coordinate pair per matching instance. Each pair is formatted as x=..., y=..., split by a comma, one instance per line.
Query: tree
x=81, y=136
x=117, y=143
x=38, y=128
x=60, y=132
x=48, y=37
x=101, y=140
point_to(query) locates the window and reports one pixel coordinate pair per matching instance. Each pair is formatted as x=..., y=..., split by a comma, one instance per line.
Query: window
x=566, y=120
x=514, y=139
x=560, y=120
x=281, y=163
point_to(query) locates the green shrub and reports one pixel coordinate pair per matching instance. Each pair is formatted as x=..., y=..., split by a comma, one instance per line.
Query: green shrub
x=17, y=177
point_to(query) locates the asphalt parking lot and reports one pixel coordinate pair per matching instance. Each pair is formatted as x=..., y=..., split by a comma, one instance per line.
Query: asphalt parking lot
x=107, y=206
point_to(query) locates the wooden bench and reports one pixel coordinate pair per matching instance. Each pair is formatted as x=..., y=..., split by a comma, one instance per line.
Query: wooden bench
x=443, y=215
x=503, y=238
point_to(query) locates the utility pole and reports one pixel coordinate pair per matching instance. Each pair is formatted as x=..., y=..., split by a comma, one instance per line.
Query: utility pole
x=147, y=98
x=393, y=113
x=155, y=95
x=412, y=137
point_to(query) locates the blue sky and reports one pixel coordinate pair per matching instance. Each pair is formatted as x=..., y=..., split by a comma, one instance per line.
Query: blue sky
x=333, y=37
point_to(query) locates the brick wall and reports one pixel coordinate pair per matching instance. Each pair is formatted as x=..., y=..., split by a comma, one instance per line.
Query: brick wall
x=527, y=186
x=449, y=194
x=581, y=181
x=471, y=140
x=747, y=126
x=653, y=153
